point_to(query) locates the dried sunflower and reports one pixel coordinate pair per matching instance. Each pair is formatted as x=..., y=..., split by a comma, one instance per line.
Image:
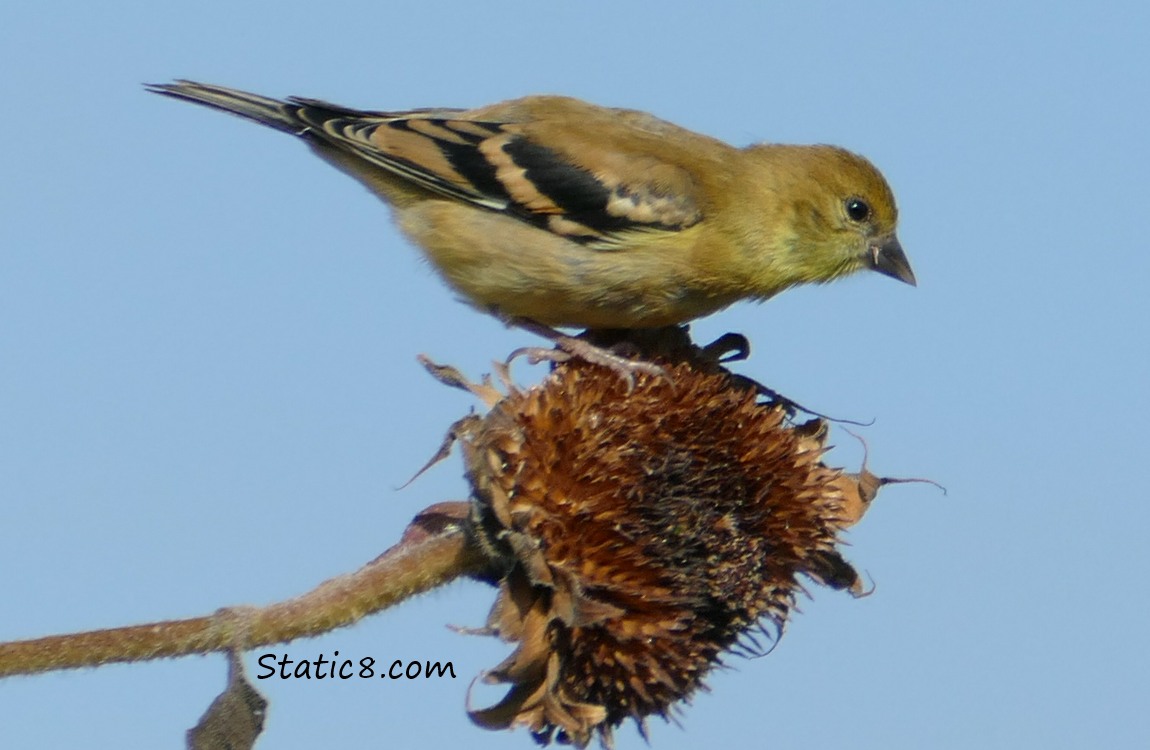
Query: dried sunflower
x=638, y=535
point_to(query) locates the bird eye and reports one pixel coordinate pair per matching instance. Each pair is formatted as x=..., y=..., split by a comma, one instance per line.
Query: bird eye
x=857, y=209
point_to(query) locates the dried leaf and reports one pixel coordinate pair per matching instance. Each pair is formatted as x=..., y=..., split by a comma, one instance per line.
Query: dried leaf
x=235, y=718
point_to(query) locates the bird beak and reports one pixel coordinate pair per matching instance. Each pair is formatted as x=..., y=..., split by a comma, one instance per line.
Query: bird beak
x=887, y=258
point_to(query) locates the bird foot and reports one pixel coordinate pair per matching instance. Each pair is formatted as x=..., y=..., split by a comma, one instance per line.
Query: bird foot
x=567, y=347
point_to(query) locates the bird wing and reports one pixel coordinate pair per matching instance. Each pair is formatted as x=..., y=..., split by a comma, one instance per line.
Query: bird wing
x=597, y=189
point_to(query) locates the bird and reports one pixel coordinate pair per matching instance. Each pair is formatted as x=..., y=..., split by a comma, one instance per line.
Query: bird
x=553, y=212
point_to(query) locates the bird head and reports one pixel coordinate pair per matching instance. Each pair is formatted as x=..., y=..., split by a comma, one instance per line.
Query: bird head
x=857, y=215
x=837, y=214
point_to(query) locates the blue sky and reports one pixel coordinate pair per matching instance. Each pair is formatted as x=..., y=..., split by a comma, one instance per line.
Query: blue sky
x=209, y=394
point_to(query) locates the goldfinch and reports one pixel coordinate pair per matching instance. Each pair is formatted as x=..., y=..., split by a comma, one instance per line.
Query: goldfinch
x=564, y=213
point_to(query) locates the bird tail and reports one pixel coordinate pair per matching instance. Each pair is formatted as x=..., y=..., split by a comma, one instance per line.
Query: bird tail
x=274, y=113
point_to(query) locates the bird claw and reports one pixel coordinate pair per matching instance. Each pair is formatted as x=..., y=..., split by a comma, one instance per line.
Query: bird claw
x=624, y=367
x=537, y=354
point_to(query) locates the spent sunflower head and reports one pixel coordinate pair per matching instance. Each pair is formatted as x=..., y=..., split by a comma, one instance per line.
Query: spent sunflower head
x=639, y=535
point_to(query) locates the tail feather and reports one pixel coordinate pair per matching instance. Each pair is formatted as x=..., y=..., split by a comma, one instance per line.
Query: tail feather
x=274, y=113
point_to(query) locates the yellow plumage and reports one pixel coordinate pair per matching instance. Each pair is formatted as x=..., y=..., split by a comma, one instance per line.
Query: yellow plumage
x=566, y=213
